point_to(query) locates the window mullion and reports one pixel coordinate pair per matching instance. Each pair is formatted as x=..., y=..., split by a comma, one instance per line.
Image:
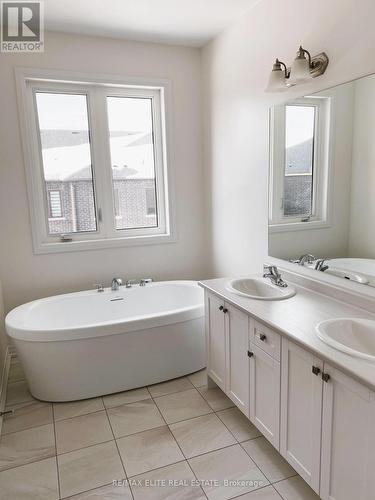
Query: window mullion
x=102, y=174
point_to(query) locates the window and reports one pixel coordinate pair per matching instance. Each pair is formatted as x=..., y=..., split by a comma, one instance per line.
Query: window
x=299, y=164
x=299, y=161
x=97, y=167
x=55, y=204
x=66, y=159
x=132, y=159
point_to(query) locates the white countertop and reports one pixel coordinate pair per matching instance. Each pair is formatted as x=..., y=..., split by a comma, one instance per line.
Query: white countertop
x=297, y=317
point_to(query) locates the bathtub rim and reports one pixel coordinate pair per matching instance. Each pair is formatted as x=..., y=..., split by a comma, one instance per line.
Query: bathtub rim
x=110, y=327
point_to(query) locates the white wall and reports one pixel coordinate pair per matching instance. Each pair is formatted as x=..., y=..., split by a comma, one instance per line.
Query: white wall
x=331, y=241
x=26, y=276
x=236, y=67
x=362, y=234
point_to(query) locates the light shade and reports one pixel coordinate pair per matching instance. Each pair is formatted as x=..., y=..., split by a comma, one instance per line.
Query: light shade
x=300, y=70
x=277, y=81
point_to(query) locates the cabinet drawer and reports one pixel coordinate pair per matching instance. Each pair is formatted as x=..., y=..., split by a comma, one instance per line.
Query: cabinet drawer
x=266, y=339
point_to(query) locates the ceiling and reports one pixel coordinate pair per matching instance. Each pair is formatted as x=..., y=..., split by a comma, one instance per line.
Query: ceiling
x=181, y=22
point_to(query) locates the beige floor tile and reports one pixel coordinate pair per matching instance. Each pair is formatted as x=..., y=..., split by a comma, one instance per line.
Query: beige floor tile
x=110, y=492
x=201, y=435
x=89, y=468
x=182, y=406
x=169, y=387
x=79, y=432
x=175, y=482
x=17, y=392
x=267, y=493
x=27, y=415
x=148, y=450
x=16, y=372
x=269, y=460
x=77, y=408
x=122, y=398
x=36, y=481
x=23, y=447
x=215, y=398
x=295, y=488
x=231, y=465
x=198, y=379
x=135, y=417
x=238, y=424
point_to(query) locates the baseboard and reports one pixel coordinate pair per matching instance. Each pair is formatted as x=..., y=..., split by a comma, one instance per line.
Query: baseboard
x=4, y=383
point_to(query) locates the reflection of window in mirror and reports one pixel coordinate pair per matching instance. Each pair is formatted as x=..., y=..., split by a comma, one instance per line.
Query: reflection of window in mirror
x=299, y=145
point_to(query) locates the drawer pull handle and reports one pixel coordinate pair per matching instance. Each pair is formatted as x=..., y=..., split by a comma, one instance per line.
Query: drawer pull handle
x=263, y=337
x=316, y=370
x=325, y=377
x=221, y=308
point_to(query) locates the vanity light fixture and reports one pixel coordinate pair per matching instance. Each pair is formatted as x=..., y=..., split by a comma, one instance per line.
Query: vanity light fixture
x=278, y=77
x=304, y=68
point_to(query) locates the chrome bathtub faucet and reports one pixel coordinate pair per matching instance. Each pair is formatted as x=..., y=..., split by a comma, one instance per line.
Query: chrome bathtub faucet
x=116, y=283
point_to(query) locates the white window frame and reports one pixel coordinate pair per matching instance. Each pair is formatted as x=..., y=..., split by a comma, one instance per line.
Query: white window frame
x=96, y=88
x=320, y=217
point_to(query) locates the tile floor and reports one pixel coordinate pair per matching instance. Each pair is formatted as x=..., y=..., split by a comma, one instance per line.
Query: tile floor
x=177, y=440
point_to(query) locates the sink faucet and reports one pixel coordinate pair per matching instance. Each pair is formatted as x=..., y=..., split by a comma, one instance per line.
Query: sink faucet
x=303, y=259
x=273, y=273
x=116, y=283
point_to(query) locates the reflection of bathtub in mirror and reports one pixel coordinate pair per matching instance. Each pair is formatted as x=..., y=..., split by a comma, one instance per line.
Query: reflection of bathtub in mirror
x=359, y=270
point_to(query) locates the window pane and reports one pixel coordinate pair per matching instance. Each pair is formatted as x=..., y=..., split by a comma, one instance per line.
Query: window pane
x=66, y=154
x=55, y=204
x=133, y=163
x=299, y=160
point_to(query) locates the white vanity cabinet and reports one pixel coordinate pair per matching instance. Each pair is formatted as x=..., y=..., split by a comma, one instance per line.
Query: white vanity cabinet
x=348, y=439
x=215, y=339
x=301, y=411
x=327, y=426
x=321, y=420
x=265, y=393
x=227, y=337
x=237, y=361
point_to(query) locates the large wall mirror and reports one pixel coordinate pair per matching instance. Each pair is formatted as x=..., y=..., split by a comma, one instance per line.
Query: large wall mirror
x=322, y=181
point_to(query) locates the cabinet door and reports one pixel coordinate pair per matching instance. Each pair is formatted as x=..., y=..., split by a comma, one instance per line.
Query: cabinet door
x=265, y=394
x=215, y=339
x=301, y=409
x=347, y=439
x=237, y=376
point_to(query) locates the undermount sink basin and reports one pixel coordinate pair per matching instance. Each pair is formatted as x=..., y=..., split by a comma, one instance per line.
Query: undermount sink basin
x=351, y=335
x=259, y=288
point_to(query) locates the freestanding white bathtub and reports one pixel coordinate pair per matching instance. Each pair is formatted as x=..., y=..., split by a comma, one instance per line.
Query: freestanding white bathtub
x=86, y=344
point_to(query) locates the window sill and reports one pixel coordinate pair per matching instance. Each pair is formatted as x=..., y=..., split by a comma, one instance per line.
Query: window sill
x=98, y=244
x=298, y=226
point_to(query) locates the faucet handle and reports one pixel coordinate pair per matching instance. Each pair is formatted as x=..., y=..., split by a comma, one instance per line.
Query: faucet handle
x=99, y=287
